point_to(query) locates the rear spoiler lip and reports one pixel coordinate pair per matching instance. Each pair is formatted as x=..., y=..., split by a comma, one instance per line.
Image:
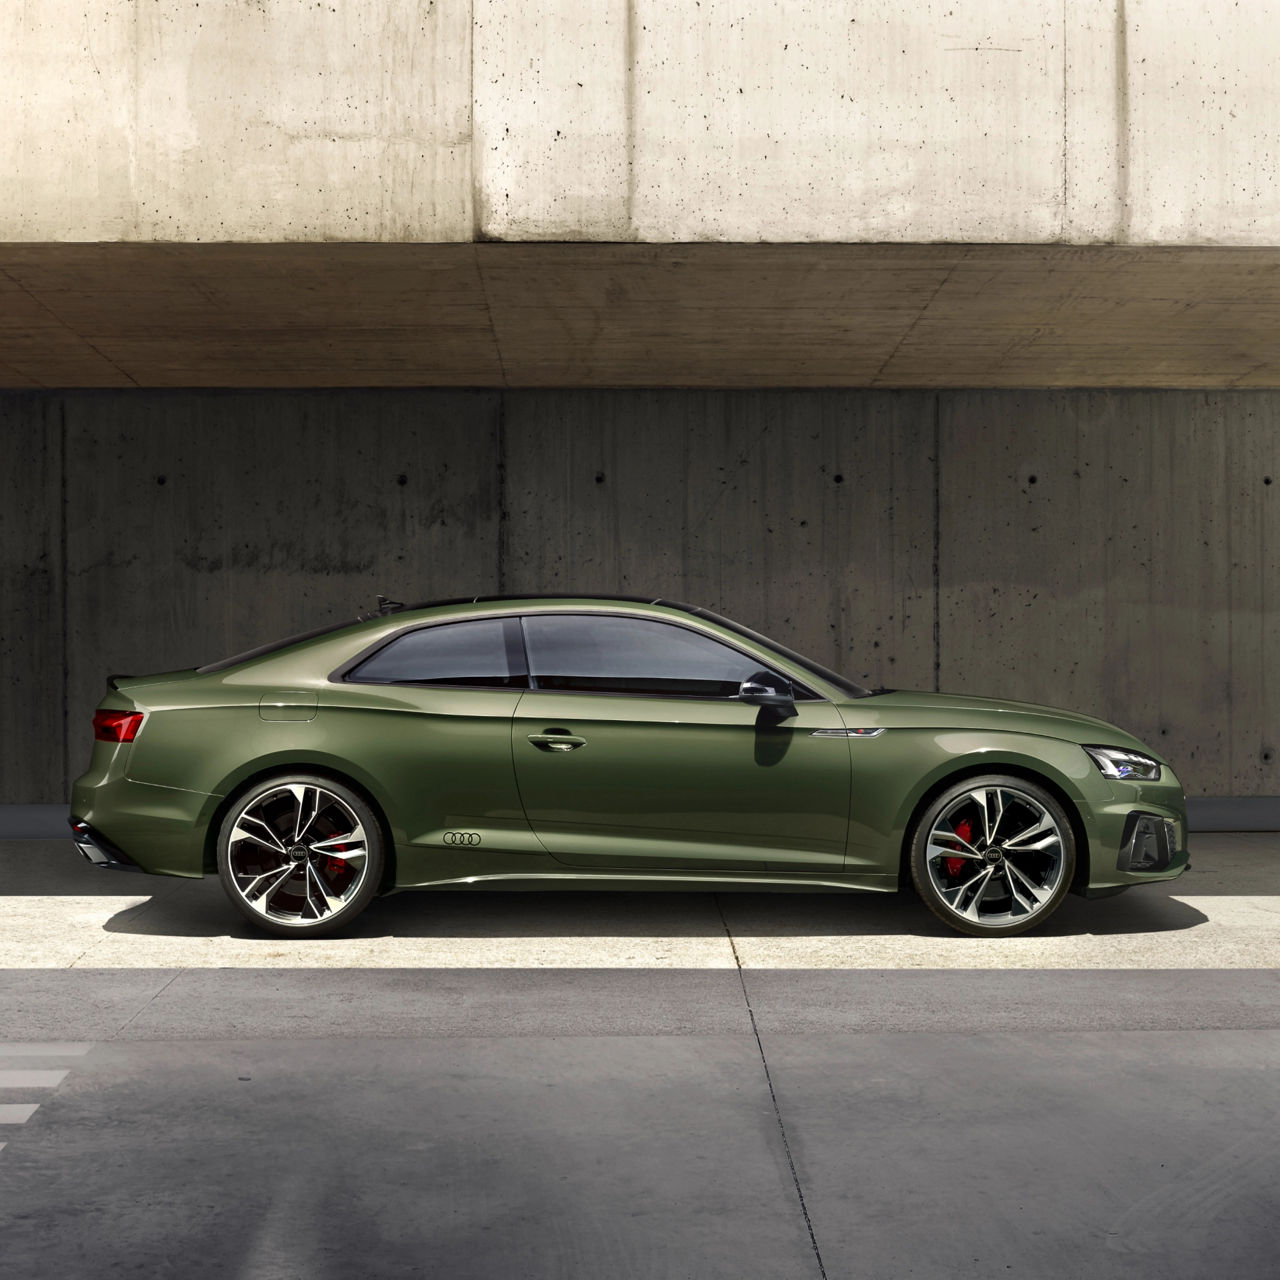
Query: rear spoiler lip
x=119, y=675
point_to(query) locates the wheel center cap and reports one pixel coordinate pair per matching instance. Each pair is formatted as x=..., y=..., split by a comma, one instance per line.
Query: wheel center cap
x=993, y=856
x=299, y=852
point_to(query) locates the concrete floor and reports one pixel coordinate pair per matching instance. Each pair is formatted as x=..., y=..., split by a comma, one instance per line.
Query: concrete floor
x=638, y=1085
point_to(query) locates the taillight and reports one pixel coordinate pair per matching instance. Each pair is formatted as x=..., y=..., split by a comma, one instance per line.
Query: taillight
x=116, y=726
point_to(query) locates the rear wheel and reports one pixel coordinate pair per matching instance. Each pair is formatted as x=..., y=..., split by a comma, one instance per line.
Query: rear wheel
x=993, y=855
x=300, y=855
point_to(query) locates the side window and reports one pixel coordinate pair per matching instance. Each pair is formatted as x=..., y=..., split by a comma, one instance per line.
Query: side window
x=482, y=654
x=580, y=653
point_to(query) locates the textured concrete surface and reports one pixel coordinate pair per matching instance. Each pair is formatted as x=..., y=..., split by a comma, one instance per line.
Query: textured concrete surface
x=1104, y=551
x=1100, y=1155
x=266, y=121
x=63, y=914
x=479, y=1085
x=709, y=315
x=764, y=504
x=650, y=1157
x=651, y=120
x=1126, y=541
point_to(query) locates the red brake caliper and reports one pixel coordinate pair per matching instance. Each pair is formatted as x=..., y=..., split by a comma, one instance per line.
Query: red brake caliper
x=964, y=829
x=336, y=866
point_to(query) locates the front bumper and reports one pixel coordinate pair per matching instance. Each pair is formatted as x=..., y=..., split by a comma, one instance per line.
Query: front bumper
x=1139, y=836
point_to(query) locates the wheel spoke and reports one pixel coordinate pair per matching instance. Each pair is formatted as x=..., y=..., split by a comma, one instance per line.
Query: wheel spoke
x=262, y=901
x=978, y=883
x=356, y=857
x=941, y=851
x=239, y=833
x=1041, y=824
x=984, y=801
x=331, y=901
x=301, y=820
x=1025, y=893
x=275, y=842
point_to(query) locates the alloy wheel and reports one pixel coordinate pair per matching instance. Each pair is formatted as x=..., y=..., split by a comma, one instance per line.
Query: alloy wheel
x=997, y=858
x=296, y=856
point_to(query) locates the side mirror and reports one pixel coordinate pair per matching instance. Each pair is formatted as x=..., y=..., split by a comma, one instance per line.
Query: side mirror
x=766, y=690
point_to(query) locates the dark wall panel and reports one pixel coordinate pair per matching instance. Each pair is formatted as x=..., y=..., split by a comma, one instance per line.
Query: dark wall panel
x=1115, y=552
x=32, y=599
x=1109, y=551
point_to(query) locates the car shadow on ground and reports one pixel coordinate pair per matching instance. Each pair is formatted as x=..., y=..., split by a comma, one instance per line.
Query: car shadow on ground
x=200, y=910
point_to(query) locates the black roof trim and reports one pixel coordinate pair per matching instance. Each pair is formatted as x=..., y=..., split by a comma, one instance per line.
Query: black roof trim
x=536, y=595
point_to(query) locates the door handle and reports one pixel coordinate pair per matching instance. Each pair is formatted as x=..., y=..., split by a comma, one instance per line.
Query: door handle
x=556, y=741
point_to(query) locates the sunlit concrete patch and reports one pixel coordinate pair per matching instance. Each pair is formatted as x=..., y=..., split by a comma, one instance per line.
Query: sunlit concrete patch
x=1213, y=950
x=196, y=928
x=54, y=932
x=1223, y=914
x=596, y=951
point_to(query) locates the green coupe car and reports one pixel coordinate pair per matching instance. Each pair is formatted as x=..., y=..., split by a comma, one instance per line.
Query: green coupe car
x=535, y=742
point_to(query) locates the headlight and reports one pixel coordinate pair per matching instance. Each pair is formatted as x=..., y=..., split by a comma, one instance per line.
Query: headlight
x=1131, y=766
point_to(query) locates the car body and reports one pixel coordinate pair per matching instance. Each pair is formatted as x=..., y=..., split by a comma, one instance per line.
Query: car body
x=591, y=742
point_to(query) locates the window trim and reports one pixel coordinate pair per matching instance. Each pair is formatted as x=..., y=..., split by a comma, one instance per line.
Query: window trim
x=512, y=639
x=802, y=692
x=341, y=674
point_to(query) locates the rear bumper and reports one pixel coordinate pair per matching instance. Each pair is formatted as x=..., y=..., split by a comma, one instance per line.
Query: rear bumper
x=98, y=850
x=161, y=828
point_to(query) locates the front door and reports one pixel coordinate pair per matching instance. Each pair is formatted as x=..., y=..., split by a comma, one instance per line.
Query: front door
x=634, y=751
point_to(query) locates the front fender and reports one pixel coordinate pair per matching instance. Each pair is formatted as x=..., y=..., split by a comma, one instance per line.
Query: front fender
x=889, y=784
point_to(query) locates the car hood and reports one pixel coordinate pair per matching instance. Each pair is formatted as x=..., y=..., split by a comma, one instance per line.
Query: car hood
x=963, y=711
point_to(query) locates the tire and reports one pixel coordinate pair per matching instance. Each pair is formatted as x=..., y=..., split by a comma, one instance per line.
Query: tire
x=300, y=856
x=993, y=856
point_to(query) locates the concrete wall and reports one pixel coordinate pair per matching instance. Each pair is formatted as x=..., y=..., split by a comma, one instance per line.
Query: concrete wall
x=1151, y=121
x=1107, y=551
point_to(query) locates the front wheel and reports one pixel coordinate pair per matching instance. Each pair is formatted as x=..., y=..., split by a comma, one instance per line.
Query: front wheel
x=300, y=855
x=993, y=856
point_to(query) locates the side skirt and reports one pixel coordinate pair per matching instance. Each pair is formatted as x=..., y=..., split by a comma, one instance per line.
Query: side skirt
x=674, y=882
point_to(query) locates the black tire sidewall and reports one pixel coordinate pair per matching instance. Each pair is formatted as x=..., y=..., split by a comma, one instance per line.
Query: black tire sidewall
x=920, y=842
x=374, y=845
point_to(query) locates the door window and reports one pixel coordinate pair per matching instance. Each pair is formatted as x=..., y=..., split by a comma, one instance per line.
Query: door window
x=485, y=653
x=582, y=653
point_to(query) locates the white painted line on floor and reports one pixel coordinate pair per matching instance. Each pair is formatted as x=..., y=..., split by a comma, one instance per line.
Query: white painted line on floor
x=44, y=1049
x=17, y=1112
x=31, y=1079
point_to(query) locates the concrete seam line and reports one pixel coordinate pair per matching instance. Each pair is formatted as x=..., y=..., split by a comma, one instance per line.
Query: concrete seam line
x=155, y=995
x=773, y=1097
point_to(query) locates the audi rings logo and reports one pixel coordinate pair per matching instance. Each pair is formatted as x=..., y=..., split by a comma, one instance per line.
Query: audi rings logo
x=462, y=837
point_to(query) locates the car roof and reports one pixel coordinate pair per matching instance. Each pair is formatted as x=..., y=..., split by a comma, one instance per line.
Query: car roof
x=540, y=595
